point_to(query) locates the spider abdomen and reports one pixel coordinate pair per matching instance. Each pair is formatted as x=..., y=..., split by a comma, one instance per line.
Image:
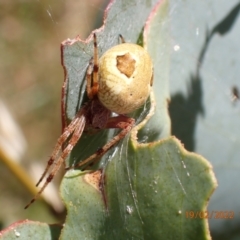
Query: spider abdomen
x=125, y=78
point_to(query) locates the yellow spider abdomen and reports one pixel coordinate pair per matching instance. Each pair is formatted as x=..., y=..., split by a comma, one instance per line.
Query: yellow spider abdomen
x=125, y=78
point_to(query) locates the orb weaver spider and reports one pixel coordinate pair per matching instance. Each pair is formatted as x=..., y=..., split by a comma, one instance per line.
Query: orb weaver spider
x=120, y=82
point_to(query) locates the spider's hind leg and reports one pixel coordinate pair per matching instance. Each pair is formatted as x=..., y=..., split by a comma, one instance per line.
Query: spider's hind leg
x=58, y=147
x=80, y=124
x=122, y=122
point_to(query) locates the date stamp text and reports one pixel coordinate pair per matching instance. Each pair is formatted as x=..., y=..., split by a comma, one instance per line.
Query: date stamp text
x=210, y=214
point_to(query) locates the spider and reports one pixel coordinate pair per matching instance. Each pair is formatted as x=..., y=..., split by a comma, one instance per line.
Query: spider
x=120, y=82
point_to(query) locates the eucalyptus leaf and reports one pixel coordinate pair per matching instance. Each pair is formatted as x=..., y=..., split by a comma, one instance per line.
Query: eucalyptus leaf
x=31, y=230
x=145, y=190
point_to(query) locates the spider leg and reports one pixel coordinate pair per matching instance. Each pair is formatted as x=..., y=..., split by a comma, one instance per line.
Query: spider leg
x=95, y=67
x=89, y=79
x=122, y=122
x=72, y=142
x=58, y=147
x=122, y=38
x=92, y=72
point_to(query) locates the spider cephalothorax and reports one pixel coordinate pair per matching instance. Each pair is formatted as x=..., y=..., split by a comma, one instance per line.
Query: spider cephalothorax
x=120, y=82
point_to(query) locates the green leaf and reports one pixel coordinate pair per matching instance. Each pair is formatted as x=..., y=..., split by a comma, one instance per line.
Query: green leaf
x=204, y=112
x=157, y=43
x=153, y=190
x=145, y=191
x=31, y=230
x=149, y=192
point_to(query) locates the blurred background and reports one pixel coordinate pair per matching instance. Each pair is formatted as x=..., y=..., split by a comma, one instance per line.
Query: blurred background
x=31, y=77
